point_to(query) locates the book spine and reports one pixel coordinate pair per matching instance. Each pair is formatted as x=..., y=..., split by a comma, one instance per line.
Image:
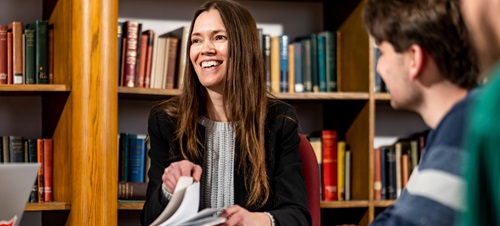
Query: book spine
x=10, y=58
x=377, y=183
x=16, y=149
x=137, y=156
x=291, y=68
x=398, y=151
x=322, y=63
x=383, y=173
x=404, y=170
x=132, y=190
x=275, y=64
x=297, y=61
x=50, y=66
x=33, y=158
x=283, y=42
x=47, y=169
x=390, y=158
x=3, y=54
x=30, y=54
x=171, y=57
x=132, y=31
x=341, y=170
x=40, y=171
x=317, y=147
x=142, y=61
x=348, y=163
x=267, y=60
x=41, y=47
x=314, y=63
x=329, y=141
x=307, y=65
x=17, y=51
x=6, y=152
x=331, y=61
x=149, y=58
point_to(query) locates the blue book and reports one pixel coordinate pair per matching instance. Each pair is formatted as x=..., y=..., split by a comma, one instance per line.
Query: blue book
x=299, y=83
x=123, y=172
x=331, y=60
x=314, y=63
x=284, y=63
x=137, y=158
x=322, y=63
x=378, y=80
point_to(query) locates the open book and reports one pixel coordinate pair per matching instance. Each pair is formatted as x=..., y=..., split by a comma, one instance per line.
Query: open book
x=182, y=209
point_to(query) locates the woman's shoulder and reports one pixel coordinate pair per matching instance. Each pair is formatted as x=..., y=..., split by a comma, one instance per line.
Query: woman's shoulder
x=162, y=112
x=277, y=109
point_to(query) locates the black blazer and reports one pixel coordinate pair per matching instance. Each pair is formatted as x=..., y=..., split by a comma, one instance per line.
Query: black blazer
x=288, y=198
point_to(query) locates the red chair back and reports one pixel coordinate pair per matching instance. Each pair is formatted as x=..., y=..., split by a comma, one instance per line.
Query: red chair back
x=311, y=177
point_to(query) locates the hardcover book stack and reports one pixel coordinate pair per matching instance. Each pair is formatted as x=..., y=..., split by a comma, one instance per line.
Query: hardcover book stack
x=16, y=149
x=133, y=166
x=334, y=162
x=151, y=60
x=306, y=64
x=394, y=164
x=26, y=53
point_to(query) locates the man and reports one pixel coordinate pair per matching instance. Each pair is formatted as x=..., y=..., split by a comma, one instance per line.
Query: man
x=429, y=67
x=483, y=165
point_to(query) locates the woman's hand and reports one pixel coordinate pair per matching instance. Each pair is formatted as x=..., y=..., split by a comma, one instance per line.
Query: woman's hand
x=237, y=215
x=172, y=173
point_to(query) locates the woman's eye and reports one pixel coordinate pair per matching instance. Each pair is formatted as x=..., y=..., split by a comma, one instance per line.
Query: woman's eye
x=196, y=40
x=220, y=37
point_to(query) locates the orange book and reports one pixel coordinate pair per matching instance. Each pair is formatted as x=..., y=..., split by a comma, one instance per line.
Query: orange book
x=149, y=58
x=3, y=54
x=142, y=61
x=10, y=65
x=171, y=60
x=40, y=172
x=17, y=51
x=47, y=169
x=329, y=141
x=404, y=169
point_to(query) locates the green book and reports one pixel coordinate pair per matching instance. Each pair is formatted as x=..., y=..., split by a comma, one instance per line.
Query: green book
x=41, y=46
x=30, y=68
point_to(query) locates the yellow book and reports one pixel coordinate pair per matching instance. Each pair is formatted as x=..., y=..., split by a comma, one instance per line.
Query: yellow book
x=291, y=68
x=275, y=64
x=341, y=169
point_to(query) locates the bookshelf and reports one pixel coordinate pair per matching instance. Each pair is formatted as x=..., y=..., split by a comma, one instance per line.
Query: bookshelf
x=84, y=110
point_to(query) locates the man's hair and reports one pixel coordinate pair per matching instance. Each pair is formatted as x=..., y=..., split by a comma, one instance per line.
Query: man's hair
x=435, y=25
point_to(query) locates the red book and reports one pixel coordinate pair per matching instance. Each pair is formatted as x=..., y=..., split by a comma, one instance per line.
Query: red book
x=10, y=65
x=131, y=47
x=142, y=61
x=47, y=169
x=3, y=54
x=329, y=140
x=17, y=51
x=377, y=181
x=149, y=58
x=40, y=172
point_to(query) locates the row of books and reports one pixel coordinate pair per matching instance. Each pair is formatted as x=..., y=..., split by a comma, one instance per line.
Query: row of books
x=306, y=64
x=393, y=165
x=26, y=53
x=15, y=149
x=334, y=161
x=151, y=60
x=133, y=162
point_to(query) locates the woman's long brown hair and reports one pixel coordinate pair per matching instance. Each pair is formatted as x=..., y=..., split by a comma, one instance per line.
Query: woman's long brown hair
x=245, y=98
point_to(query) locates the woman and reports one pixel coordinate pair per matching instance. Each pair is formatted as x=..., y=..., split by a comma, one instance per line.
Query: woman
x=225, y=131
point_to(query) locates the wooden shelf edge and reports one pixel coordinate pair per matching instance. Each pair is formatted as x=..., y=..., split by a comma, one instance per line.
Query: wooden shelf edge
x=323, y=96
x=34, y=88
x=344, y=204
x=382, y=96
x=147, y=91
x=130, y=205
x=383, y=203
x=47, y=206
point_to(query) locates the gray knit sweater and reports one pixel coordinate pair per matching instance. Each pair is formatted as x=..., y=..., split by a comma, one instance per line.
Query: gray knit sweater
x=217, y=179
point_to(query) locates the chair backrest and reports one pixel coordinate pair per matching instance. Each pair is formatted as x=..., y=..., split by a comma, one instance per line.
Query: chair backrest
x=311, y=177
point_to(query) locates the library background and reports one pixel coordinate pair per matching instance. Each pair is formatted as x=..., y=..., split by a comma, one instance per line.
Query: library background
x=92, y=96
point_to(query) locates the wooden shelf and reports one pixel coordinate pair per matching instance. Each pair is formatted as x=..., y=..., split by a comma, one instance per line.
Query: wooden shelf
x=382, y=96
x=323, y=96
x=146, y=93
x=39, y=88
x=383, y=203
x=130, y=205
x=47, y=206
x=344, y=204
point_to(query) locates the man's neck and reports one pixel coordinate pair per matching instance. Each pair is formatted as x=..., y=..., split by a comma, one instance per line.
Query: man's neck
x=438, y=101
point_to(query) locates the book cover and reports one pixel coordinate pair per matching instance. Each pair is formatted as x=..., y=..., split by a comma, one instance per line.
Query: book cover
x=329, y=141
x=10, y=58
x=377, y=183
x=137, y=155
x=171, y=63
x=398, y=149
x=267, y=60
x=48, y=170
x=322, y=63
x=307, y=65
x=149, y=57
x=317, y=147
x=383, y=173
x=182, y=35
x=390, y=162
x=142, y=62
x=41, y=46
x=331, y=60
x=120, y=50
x=283, y=42
x=182, y=208
x=16, y=149
x=3, y=54
x=16, y=28
x=348, y=163
x=50, y=54
x=314, y=63
x=33, y=158
x=132, y=190
x=291, y=68
x=124, y=155
x=30, y=68
x=6, y=151
x=131, y=47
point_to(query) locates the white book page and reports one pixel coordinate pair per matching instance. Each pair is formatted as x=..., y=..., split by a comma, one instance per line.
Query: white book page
x=176, y=200
x=188, y=206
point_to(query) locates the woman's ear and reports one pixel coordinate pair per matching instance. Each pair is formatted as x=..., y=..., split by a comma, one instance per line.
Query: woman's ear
x=416, y=59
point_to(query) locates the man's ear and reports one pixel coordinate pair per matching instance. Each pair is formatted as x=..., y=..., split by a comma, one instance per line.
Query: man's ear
x=416, y=59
